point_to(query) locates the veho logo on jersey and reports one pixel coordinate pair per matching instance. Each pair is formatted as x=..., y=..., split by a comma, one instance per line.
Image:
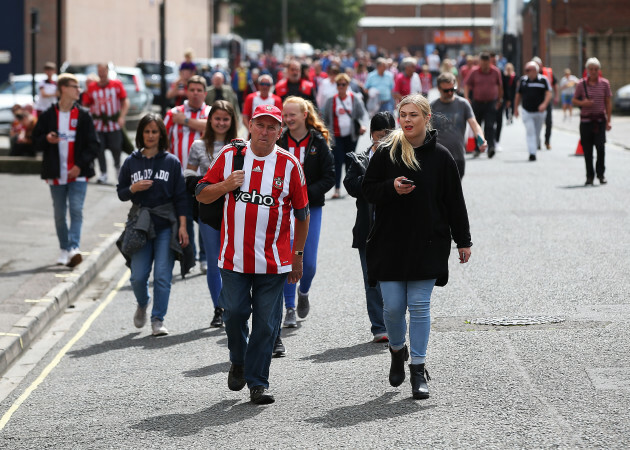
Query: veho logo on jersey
x=254, y=197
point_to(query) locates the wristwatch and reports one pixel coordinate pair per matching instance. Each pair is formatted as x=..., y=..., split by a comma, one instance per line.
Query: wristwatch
x=298, y=253
x=186, y=121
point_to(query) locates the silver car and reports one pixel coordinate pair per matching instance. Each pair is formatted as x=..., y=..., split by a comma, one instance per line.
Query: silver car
x=140, y=98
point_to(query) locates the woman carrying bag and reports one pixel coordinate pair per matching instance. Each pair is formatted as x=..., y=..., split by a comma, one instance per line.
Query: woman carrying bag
x=220, y=130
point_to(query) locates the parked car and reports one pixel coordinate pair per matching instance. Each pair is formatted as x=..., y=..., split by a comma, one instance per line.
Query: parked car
x=140, y=98
x=151, y=72
x=621, y=99
x=16, y=90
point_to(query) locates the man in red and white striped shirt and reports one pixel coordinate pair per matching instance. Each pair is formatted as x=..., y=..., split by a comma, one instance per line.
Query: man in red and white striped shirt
x=108, y=104
x=184, y=124
x=262, y=97
x=255, y=254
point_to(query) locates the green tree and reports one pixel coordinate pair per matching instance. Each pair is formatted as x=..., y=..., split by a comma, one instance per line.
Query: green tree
x=321, y=23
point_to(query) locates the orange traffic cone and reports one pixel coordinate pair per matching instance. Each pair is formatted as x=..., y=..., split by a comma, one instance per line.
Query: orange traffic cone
x=579, y=151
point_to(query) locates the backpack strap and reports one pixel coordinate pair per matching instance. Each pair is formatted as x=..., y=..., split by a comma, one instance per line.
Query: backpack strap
x=239, y=158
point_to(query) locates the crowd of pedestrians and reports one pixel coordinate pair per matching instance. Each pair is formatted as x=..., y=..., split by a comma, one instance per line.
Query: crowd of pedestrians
x=302, y=122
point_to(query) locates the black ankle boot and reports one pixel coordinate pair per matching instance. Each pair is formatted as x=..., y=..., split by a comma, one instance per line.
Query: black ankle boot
x=397, y=367
x=419, y=387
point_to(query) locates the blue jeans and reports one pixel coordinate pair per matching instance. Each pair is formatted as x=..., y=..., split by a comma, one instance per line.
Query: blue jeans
x=211, y=241
x=342, y=146
x=309, y=260
x=156, y=252
x=68, y=196
x=258, y=296
x=397, y=297
x=374, y=299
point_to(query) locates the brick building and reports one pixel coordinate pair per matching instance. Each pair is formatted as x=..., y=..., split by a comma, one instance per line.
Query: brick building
x=450, y=25
x=114, y=30
x=564, y=33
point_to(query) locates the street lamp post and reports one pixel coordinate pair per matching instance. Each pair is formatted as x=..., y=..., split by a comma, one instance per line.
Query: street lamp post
x=34, y=31
x=162, y=59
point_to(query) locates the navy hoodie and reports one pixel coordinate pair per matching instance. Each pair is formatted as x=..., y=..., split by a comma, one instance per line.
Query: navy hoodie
x=168, y=183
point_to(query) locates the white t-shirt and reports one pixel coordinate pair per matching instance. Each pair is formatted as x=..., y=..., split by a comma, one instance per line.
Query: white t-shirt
x=343, y=113
x=42, y=103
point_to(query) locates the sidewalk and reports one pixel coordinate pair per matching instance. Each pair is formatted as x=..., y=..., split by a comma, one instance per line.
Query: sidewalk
x=34, y=289
x=619, y=134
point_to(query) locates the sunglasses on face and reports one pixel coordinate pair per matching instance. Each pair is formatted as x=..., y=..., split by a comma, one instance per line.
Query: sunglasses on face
x=342, y=84
x=449, y=90
x=265, y=84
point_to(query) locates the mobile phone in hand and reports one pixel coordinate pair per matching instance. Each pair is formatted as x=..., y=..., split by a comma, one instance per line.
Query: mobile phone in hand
x=406, y=181
x=479, y=140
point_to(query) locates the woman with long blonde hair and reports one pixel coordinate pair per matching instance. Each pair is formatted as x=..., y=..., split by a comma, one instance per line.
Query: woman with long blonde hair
x=414, y=185
x=306, y=137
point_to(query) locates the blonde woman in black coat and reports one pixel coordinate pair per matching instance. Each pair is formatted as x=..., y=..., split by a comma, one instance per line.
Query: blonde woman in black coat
x=414, y=184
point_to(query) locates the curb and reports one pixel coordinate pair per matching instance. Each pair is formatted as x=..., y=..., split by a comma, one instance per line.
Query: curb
x=29, y=327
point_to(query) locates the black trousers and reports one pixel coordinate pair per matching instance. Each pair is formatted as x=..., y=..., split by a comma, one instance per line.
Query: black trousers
x=594, y=134
x=548, y=122
x=499, y=122
x=486, y=112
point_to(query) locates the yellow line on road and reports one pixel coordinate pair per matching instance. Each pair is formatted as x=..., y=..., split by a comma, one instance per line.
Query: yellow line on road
x=49, y=368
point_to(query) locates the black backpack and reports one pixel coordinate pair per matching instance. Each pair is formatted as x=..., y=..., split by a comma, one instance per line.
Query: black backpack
x=212, y=213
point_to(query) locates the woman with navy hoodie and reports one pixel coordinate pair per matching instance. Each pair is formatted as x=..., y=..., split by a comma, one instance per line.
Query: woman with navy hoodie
x=153, y=180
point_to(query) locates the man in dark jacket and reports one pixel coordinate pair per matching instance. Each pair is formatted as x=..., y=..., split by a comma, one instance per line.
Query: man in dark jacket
x=66, y=137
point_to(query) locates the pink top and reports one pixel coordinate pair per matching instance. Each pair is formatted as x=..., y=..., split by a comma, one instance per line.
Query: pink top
x=485, y=86
x=598, y=93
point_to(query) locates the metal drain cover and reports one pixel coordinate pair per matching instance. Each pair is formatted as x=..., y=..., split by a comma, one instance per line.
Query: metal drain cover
x=518, y=320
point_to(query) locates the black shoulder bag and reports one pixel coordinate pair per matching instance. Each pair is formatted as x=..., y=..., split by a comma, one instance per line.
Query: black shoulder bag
x=212, y=213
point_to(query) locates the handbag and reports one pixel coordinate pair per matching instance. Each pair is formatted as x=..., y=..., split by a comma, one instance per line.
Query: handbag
x=212, y=213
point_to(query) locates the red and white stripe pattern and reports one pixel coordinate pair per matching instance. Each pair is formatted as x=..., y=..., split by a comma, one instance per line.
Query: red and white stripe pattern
x=254, y=100
x=298, y=148
x=67, y=131
x=255, y=234
x=182, y=137
x=105, y=101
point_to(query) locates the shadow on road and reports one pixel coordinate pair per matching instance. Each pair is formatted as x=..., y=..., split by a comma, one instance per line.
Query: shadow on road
x=224, y=413
x=346, y=353
x=51, y=268
x=377, y=409
x=210, y=370
x=146, y=342
x=578, y=186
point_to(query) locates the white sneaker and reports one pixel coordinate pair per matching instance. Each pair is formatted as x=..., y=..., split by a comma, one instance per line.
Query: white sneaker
x=102, y=179
x=204, y=266
x=158, y=328
x=74, y=257
x=497, y=147
x=63, y=258
x=140, y=317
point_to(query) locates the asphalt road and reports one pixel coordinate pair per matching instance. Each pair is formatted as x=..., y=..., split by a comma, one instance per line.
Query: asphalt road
x=544, y=246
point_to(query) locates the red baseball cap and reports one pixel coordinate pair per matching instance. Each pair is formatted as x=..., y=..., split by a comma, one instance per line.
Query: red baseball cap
x=268, y=110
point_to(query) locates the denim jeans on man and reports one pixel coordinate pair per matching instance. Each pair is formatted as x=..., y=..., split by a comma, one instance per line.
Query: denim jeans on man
x=374, y=299
x=533, y=122
x=309, y=260
x=156, y=252
x=259, y=296
x=397, y=297
x=211, y=242
x=68, y=196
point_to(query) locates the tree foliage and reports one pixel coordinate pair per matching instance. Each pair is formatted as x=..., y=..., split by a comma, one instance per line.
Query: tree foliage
x=322, y=23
